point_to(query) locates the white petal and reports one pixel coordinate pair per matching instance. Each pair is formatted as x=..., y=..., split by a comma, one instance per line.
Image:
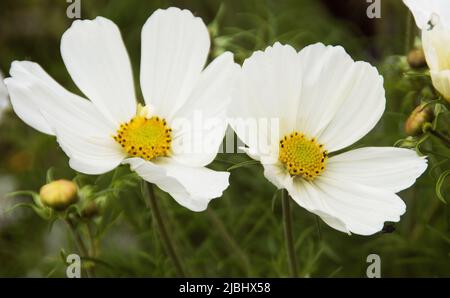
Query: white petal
x=96, y=58
x=297, y=187
x=278, y=175
x=345, y=205
x=175, y=46
x=270, y=86
x=441, y=81
x=83, y=133
x=423, y=11
x=24, y=106
x=304, y=194
x=435, y=45
x=389, y=168
x=328, y=74
x=341, y=100
x=90, y=155
x=199, y=126
x=191, y=187
x=363, y=209
x=332, y=221
x=266, y=98
x=437, y=53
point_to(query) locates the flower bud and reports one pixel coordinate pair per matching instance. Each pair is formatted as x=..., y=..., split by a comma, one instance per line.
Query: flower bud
x=409, y=142
x=59, y=194
x=421, y=115
x=416, y=58
x=90, y=210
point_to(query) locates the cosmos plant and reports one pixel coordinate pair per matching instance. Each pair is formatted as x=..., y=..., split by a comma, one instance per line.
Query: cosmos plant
x=323, y=102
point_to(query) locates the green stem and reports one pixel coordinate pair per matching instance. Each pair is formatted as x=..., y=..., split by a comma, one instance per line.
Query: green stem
x=93, y=243
x=409, y=32
x=288, y=233
x=92, y=240
x=229, y=240
x=419, y=228
x=80, y=244
x=148, y=192
x=440, y=136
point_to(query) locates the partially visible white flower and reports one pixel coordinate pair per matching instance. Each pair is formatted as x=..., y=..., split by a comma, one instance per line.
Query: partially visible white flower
x=110, y=128
x=426, y=11
x=4, y=102
x=325, y=101
x=435, y=39
x=436, y=45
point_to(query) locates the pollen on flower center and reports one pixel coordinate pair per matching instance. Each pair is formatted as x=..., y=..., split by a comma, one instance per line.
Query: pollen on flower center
x=302, y=156
x=145, y=137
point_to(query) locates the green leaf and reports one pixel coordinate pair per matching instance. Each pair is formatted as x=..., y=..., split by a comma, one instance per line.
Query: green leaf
x=63, y=254
x=422, y=140
x=50, y=175
x=243, y=164
x=34, y=195
x=51, y=272
x=439, y=185
x=20, y=205
x=21, y=193
x=274, y=199
x=436, y=166
x=415, y=74
x=335, y=272
x=42, y=212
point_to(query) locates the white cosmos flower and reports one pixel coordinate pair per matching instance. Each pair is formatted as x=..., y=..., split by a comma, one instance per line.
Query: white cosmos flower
x=325, y=102
x=175, y=46
x=435, y=40
x=426, y=11
x=436, y=45
x=4, y=103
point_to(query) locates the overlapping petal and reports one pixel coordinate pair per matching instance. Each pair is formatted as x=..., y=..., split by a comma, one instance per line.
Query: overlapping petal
x=266, y=97
x=356, y=194
x=191, y=187
x=319, y=91
x=200, y=124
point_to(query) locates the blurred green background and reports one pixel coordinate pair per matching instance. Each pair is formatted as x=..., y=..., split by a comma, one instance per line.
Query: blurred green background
x=241, y=234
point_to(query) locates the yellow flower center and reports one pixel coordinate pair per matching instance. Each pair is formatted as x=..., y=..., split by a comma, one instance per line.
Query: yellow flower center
x=145, y=137
x=302, y=156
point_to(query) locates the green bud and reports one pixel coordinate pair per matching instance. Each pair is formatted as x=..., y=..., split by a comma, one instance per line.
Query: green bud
x=421, y=115
x=90, y=210
x=416, y=58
